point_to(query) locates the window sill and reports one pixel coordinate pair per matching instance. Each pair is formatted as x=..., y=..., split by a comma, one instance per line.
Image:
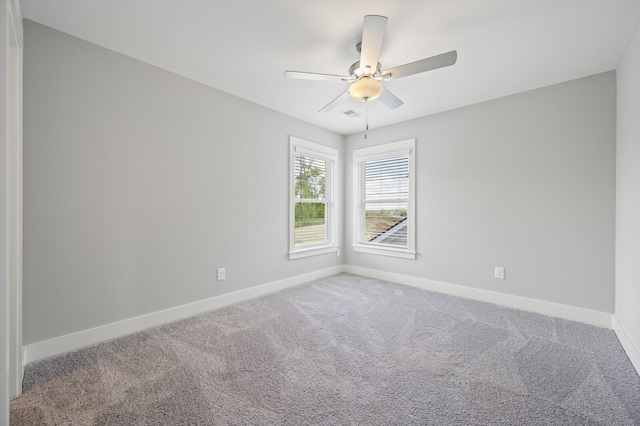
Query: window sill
x=386, y=251
x=312, y=251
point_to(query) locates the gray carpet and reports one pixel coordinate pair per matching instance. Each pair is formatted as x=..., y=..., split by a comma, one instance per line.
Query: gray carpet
x=344, y=350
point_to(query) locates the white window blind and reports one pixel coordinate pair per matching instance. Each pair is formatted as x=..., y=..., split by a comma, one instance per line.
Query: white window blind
x=385, y=201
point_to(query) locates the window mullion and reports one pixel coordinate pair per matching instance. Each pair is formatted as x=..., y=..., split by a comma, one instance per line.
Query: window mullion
x=386, y=201
x=311, y=200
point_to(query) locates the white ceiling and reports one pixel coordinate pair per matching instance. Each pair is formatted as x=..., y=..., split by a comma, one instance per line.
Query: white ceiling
x=243, y=46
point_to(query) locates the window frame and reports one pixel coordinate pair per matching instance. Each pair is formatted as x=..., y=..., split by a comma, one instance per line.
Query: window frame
x=298, y=146
x=388, y=150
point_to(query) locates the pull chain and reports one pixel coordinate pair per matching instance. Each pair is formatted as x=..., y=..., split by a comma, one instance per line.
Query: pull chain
x=366, y=119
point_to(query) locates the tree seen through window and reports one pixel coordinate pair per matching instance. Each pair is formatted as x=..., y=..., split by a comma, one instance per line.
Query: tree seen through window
x=310, y=207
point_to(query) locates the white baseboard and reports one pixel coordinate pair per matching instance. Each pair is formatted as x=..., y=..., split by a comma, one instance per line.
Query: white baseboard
x=633, y=352
x=69, y=342
x=597, y=318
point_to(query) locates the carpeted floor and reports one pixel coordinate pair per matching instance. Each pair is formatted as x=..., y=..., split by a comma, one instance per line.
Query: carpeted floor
x=344, y=350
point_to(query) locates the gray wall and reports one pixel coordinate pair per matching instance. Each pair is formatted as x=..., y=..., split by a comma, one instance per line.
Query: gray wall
x=525, y=182
x=628, y=193
x=138, y=184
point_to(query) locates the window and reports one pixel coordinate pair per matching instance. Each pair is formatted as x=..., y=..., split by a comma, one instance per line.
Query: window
x=384, y=210
x=313, y=181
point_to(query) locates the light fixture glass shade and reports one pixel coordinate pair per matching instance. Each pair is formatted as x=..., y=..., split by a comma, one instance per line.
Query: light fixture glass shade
x=365, y=89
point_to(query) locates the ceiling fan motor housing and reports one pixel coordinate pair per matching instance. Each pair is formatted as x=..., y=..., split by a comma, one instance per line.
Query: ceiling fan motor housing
x=356, y=72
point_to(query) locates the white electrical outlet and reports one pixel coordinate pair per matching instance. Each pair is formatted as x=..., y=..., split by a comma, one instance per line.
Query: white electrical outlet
x=221, y=274
x=499, y=273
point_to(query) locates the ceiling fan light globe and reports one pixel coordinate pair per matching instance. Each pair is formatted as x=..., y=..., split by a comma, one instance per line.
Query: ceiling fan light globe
x=365, y=89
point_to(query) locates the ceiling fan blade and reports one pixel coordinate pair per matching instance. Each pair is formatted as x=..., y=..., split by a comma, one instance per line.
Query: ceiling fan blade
x=372, y=36
x=428, y=64
x=389, y=99
x=301, y=75
x=337, y=101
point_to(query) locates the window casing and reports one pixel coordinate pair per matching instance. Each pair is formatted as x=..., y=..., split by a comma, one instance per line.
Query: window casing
x=384, y=199
x=313, y=187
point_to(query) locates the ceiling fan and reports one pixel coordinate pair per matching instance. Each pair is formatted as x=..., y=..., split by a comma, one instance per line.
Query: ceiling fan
x=366, y=76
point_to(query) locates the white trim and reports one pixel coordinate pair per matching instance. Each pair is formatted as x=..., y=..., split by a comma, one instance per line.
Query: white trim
x=312, y=251
x=306, y=147
x=385, y=251
x=401, y=148
x=331, y=201
x=321, y=154
x=633, y=352
x=15, y=152
x=58, y=345
x=380, y=154
x=16, y=18
x=588, y=316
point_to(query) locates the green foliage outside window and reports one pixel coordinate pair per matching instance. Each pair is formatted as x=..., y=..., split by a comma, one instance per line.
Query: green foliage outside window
x=310, y=184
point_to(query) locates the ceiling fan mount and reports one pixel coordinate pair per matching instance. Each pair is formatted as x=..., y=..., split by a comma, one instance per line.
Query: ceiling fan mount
x=366, y=76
